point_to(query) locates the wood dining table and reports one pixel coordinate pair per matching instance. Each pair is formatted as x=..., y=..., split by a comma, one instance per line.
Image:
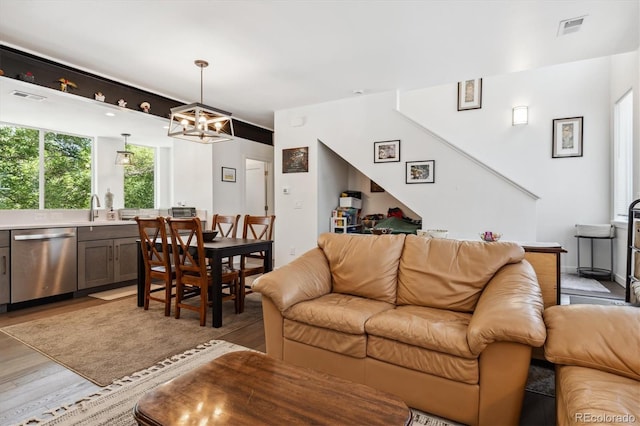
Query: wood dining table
x=217, y=250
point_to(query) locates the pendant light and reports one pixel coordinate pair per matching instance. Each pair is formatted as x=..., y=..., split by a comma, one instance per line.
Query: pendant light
x=124, y=158
x=197, y=122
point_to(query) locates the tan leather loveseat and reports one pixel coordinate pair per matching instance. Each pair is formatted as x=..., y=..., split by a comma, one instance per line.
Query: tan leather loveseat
x=596, y=350
x=446, y=325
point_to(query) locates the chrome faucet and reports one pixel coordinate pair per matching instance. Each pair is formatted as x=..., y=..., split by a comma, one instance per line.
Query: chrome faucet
x=92, y=212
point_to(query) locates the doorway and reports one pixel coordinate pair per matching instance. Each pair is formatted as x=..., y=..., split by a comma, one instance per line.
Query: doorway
x=258, y=190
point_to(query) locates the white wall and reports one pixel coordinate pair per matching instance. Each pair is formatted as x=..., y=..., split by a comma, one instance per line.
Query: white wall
x=465, y=199
x=572, y=190
x=334, y=179
x=198, y=174
x=625, y=75
x=229, y=197
x=106, y=174
x=164, y=178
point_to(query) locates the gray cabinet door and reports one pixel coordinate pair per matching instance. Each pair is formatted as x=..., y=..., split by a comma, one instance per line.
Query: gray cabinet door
x=126, y=259
x=95, y=263
x=4, y=275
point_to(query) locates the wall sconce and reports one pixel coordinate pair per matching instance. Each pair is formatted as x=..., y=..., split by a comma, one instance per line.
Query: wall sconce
x=124, y=158
x=520, y=115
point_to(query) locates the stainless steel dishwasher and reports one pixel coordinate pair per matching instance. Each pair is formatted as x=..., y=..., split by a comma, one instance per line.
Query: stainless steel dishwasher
x=43, y=263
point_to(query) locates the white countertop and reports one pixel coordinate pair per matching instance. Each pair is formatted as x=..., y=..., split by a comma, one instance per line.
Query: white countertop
x=77, y=224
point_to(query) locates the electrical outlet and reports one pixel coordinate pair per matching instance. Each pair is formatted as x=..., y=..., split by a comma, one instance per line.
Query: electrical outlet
x=292, y=251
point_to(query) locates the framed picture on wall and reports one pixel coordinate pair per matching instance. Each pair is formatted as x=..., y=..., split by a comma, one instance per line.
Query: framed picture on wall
x=374, y=187
x=470, y=94
x=386, y=151
x=567, y=137
x=421, y=171
x=295, y=160
x=228, y=174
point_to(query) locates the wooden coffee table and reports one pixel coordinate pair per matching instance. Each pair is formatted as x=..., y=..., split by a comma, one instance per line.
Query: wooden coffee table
x=251, y=388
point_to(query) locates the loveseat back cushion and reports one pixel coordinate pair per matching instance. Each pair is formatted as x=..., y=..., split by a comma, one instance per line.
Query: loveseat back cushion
x=450, y=274
x=363, y=265
x=603, y=337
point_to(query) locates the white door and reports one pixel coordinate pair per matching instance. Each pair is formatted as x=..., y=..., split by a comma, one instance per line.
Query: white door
x=257, y=188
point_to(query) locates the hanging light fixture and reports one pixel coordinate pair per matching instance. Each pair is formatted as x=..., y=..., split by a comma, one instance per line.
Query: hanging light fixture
x=124, y=158
x=197, y=122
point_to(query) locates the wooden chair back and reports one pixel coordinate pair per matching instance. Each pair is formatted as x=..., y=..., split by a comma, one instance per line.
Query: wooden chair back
x=189, y=258
x=227, y=226
x=157, y=259
x=190, y=264
x=192, y=270
x=257, y=228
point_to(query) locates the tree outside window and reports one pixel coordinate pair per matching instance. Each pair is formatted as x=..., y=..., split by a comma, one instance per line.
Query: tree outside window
x=19, y=168
x=67, y=171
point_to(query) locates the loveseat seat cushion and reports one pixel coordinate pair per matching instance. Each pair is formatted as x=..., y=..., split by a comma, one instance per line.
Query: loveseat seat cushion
x=335, y=322
x=429, y=328
x=450, y=274
x=428, y=361
x=590, y=396
x=363, y=265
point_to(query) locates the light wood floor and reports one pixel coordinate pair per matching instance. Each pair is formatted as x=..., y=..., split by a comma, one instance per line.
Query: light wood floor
x=31, y=383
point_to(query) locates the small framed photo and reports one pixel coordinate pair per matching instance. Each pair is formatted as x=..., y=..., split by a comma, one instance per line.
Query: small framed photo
x=295, y=160
x=421, y=171
x=567, y=137
x=228, y=174
x=470, y=94
x=386, y=151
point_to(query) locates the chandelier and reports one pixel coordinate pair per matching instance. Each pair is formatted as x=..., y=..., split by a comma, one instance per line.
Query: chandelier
x=124, y=158
x=197, y=122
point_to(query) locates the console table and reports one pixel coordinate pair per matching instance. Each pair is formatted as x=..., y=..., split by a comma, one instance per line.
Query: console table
x=545, y=259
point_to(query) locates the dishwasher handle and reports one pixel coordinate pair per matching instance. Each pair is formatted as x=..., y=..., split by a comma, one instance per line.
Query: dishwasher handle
x=43, y=236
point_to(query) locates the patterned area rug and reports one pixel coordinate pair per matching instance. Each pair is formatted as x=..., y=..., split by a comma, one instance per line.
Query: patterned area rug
x=113, y=405
x=542, y=380
x=104, y=337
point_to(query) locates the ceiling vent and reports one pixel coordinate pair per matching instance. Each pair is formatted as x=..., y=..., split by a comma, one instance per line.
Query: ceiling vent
x=26, y=95
x=569, y=26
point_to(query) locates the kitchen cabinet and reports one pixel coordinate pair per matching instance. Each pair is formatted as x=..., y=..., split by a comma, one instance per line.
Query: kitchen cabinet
x=106, y=255
x=5, y=265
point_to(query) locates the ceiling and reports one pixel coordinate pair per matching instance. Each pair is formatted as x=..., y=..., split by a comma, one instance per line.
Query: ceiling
x=271, y=55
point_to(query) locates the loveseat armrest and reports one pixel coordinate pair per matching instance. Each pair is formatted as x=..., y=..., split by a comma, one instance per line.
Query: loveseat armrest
x=605, y=338
x=305, y=278
x=509, y=310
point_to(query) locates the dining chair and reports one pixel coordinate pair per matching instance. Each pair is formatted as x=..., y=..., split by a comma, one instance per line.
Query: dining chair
x=227, y=227
x=193, y=276
x=257, y=228
x=157, y=260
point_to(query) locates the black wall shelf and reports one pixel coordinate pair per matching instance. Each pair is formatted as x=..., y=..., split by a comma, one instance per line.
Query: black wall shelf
x=46, y=73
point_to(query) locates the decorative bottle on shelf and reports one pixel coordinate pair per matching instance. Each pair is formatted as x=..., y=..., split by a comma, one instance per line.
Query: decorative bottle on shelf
x=108, y=199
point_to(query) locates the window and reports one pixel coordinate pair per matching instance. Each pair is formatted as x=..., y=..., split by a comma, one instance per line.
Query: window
x=622, y=154
x=19, y=168
x=139, y=178
x=41, y=169
x=67, y=171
